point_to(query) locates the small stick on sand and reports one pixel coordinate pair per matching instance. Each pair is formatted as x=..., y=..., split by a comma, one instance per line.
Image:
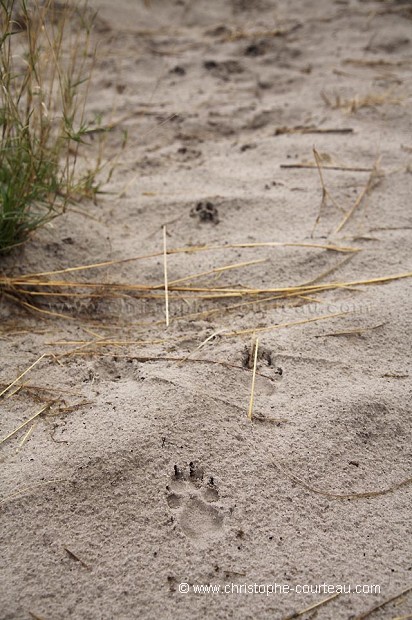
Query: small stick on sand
x=343, y=168
x=165, y=274
x=296, y=614
x=252, y=392
x=377, y=607
x=303, y=129
x=74, y=557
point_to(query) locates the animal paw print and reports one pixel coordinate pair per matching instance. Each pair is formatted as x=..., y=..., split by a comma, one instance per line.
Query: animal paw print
x=264, y=355
x=195, y=503
x=205, y=212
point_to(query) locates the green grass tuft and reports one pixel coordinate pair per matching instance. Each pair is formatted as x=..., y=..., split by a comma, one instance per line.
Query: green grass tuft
x=46, y=60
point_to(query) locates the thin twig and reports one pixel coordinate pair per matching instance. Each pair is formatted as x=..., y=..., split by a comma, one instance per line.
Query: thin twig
x=74, y=557
x=304, y=129
x=343, y=168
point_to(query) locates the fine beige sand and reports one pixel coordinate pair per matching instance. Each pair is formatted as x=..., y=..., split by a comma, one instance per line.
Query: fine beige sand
x=145, y=472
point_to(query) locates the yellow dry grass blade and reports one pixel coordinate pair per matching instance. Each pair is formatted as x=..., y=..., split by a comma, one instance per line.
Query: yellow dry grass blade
x=33, y=417
x=296, y=614
x=216, y=270
x=166, y=289
x=184, y=250
x=266, y=328
x=293, y=289
x=252, y=391
x=6, y=389
x=371, y=183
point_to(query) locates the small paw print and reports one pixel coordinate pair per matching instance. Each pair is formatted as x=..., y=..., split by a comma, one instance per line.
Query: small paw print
x=205, y=212
x=195, y=503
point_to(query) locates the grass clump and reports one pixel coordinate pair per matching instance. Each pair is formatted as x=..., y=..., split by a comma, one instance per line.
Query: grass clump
x=46, y=59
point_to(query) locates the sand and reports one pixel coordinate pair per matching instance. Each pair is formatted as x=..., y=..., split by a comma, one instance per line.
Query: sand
x=145, y=472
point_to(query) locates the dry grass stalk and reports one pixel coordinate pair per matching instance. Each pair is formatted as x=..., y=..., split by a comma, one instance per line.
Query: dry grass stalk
x=252, y=391
x=300, y=288
x=377, y=607
x=330, y=270
x=108, y=290
x=328, y=167
x=245, y=304
x=35, y=616
x=361, y=62
x=74, y=557
x=27, y=436
x=237, y=34
x=374, y=177
x=296, y=614
x=50, y=313
x=325, y=193
x=29, y=488
x=370, y=100
x=151, y=358
x=362, y=495
x=201, y=345
x=15, y=391
x=33, y=417
x=356, y=331
x=187, y=250
x=252, y=330
x=35, y=391
x=91, y=346
x=217, y=270
x=373, y=180
x=304, y=129
x=6, y=389
x=166, y=289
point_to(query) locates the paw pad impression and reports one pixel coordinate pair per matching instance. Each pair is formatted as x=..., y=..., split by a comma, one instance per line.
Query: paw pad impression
x=195, y=503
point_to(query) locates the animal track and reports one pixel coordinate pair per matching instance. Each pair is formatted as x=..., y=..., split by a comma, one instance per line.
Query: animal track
x=192, y=500
x=264, y=355
x=205, y=212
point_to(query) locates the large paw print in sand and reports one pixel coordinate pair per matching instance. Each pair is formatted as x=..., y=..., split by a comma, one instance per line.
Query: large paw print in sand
x=194, y=503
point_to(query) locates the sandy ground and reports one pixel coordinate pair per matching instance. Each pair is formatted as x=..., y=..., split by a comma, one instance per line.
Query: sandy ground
x=146, y=472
